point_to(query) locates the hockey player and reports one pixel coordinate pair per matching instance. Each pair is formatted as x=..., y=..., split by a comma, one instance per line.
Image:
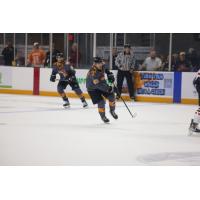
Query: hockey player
x=98, y=88
x=195, y=122
x=196, y=83
x=67, y=77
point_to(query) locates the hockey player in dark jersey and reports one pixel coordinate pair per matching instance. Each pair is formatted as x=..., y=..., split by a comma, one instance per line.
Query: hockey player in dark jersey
x=67, y=77
x=98, y=88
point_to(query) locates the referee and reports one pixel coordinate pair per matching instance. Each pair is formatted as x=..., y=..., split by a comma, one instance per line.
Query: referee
x=125, y=62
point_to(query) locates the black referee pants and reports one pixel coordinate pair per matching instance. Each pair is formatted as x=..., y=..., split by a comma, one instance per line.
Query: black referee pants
x=120, y=78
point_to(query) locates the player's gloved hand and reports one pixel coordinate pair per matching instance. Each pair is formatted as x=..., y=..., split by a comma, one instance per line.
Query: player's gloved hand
x=53, y=78
x=111, y=77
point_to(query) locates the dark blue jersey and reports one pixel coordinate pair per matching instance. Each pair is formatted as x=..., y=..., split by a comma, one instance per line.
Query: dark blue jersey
x=96, y=80
x=65, y=71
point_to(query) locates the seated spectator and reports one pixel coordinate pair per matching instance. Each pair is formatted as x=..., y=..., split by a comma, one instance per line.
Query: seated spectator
x=74, y=56
x=8, y=54
x=174, y=60
x=182, y=65
x=192, y=57
x=20, y=59
x=164, y=60
x=54, y=53
x=37, y=57
x=152, y=63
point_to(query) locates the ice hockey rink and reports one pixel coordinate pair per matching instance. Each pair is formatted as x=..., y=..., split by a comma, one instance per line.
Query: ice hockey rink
x=37, y=130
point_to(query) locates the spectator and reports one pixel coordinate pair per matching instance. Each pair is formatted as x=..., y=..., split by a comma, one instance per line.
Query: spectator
x=105, y=63
x=114, y=56
x=165, y=64
x=54, y=53
x=20, y=59
x=152, y=63
x=174, y=61
x=192, y=57
x=125, y=62
x=164, y=60
x=182, y=65
x=37, y=57
x=75, y=55
x=8, y=54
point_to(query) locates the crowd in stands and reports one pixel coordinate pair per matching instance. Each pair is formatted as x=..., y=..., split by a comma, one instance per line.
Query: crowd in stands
x=38, y=57
x=181, y=61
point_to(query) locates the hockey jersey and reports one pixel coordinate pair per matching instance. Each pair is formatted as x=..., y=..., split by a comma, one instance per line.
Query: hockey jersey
x=64, y=71
x=96, y=80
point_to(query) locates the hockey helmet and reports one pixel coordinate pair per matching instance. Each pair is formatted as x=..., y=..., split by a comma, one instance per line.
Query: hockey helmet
x=59, y=56
x=98, y=60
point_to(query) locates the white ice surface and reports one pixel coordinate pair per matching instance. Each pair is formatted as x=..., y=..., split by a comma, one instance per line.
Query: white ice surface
x=37, y=130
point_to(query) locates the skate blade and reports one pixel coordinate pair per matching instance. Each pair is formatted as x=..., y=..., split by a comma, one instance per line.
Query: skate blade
x=115, y=118
x=190, y=132
x=106, y=122
x=66, y=107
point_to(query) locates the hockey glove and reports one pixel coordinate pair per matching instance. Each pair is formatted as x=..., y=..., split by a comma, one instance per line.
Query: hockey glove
x=53, y=78
x=111, y=77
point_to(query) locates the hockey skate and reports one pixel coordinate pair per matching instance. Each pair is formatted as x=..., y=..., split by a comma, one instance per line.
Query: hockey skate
x=105, y=119
x=114, y=115
x=193, y=128
x=85, y=104
x=66, y=104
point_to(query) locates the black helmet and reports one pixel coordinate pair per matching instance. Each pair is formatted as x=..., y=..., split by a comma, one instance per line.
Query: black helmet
x=59, y=55
x=127, y=46
x=98, y=60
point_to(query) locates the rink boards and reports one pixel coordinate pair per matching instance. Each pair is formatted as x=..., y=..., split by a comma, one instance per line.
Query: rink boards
x=167, y=87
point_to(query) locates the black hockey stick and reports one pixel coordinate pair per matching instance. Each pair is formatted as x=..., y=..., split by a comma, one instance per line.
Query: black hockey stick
x=61, y=80
x=117, y=91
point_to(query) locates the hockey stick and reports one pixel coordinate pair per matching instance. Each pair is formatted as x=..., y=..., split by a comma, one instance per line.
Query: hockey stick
x=132, y=115
x=61, y=80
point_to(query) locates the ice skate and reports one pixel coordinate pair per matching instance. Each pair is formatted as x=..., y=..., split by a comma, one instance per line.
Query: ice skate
x=105, y=119
x=114, y=115
x=85, y=104
x=66, y=104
